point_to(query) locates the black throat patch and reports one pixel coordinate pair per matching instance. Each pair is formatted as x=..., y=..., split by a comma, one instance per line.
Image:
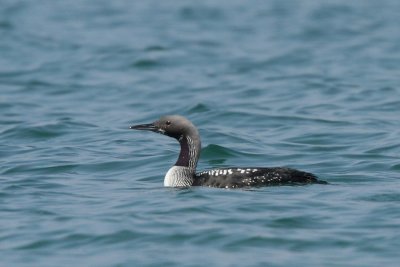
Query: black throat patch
x=184, y=155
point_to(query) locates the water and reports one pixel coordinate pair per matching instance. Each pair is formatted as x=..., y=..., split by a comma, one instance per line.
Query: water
x=313, y=85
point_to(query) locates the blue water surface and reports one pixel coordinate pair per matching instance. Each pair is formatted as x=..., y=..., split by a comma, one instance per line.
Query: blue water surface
x=313, y=85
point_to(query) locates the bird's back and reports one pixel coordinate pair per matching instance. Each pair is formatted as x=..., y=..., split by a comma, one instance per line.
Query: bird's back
x=243, y=177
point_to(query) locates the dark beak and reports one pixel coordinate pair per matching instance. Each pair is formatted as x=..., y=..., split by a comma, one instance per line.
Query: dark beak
x=145, y=127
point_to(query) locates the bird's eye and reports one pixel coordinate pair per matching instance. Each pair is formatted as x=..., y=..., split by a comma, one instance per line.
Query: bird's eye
x=168, y=122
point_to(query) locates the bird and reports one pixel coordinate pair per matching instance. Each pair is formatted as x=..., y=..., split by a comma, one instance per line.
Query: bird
x=183, y=173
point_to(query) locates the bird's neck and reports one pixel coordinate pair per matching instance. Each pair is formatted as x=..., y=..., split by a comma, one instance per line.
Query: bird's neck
x=190, y=152
x=183, y=172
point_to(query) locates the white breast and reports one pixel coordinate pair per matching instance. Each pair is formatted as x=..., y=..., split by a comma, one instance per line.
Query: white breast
x=178, y=176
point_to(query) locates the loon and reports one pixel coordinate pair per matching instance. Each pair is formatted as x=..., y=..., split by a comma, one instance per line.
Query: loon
x=183, y=173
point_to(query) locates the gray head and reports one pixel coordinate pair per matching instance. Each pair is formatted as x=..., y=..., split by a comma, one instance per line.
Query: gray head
x=174, y=126
x=186, y=133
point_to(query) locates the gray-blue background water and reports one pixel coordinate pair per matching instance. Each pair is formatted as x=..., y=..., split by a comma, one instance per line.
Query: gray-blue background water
x=313, y=85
